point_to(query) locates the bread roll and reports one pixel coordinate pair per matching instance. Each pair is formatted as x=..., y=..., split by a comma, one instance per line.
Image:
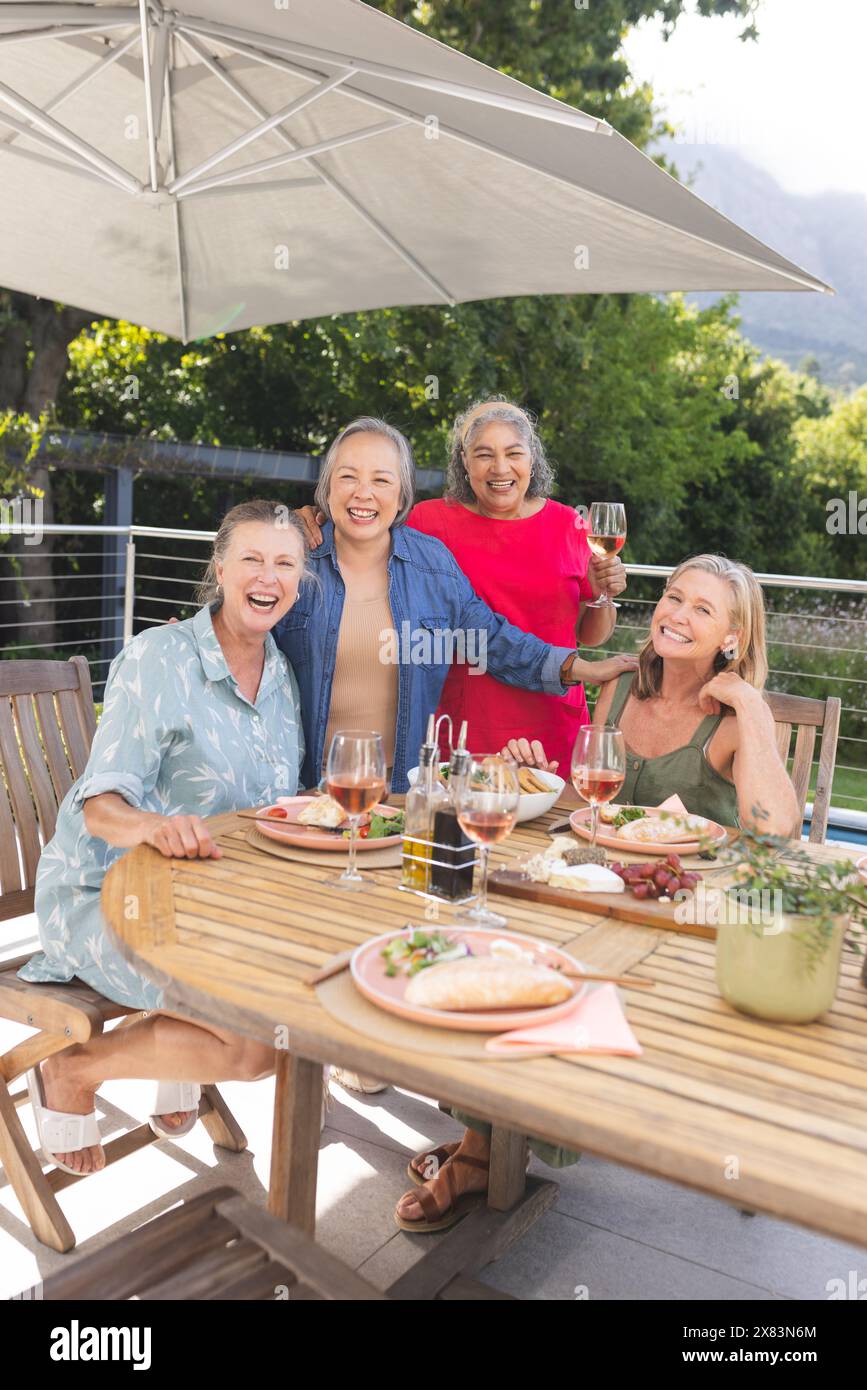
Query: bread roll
x=483, y=982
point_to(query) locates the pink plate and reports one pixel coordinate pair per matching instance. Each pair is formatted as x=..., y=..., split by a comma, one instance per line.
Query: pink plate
x=313, y=836
x=580, y=823
x=368, y=972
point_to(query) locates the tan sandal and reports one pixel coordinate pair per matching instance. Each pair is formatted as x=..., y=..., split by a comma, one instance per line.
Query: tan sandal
x=440, y=1156
x=460, y=1204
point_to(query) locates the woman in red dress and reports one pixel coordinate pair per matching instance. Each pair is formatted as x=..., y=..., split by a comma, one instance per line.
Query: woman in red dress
x=527, y=556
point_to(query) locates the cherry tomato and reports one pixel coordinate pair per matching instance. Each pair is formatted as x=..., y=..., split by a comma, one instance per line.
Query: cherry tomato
x=279, y=811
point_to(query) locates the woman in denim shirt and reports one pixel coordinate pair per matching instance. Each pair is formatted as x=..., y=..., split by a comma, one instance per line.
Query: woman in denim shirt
x=372, y=642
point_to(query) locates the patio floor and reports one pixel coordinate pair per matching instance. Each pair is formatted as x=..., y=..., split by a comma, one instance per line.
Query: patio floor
x=614, y=1234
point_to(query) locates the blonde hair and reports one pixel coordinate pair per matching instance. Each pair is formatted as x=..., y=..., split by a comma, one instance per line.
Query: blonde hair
x=273, y=513
x=746, y=617
x=467, y=426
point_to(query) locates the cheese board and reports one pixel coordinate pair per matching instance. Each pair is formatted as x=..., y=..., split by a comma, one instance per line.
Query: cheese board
x=648, y=912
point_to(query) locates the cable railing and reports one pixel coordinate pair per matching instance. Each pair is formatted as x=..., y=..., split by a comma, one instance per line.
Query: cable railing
x=816, y=628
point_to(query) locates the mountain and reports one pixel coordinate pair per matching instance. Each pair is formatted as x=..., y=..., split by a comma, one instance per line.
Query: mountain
x=825, y=233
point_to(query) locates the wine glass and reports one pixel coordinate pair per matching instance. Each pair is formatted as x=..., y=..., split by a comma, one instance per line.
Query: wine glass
x=598, y=768
x=487, y=809
x=607, y=536
x=355, y=777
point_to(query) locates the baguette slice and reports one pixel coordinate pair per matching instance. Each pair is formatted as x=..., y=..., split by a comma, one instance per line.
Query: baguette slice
x=484, y=982
x=668, y=830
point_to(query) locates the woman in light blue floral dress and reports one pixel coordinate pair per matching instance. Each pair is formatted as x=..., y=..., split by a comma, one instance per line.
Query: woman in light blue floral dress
x=200, y=717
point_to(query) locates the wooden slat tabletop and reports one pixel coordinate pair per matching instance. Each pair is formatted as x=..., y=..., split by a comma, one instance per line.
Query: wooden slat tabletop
x=769, y=1116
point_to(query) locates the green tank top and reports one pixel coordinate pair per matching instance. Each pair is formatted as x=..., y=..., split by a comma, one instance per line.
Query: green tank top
x=685, y=771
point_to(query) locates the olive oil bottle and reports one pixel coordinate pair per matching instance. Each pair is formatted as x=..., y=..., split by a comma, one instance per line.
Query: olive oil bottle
x=423, y=801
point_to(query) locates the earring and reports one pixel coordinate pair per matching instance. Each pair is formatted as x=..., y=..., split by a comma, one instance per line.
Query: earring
x=466, y=475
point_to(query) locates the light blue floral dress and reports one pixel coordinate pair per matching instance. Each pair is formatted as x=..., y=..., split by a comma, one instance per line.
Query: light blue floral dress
x=176, y=737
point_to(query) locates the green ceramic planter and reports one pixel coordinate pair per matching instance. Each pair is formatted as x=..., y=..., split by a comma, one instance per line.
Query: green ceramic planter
x=786, y=975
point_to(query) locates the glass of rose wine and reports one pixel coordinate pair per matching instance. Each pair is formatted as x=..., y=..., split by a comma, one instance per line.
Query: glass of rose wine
x=355, y=777
x=598, y=768
x=606, y=538
x=487, y=810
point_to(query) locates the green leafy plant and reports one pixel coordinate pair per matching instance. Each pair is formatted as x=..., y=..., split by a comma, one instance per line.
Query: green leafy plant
x=820, y=892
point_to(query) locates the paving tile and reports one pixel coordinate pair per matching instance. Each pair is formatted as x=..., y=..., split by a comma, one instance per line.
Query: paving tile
x=561, y=1258
x=778, y=1255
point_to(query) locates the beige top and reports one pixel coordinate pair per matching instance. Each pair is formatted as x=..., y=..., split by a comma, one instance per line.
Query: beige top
x=364, y=690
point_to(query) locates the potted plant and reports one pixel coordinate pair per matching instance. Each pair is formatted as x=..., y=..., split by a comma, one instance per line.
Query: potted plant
x=780, y=939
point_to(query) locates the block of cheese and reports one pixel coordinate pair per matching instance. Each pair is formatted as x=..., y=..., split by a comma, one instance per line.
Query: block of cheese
x=584, y=878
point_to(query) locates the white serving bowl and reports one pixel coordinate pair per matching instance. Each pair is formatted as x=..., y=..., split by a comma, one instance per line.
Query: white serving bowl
x=530, y=804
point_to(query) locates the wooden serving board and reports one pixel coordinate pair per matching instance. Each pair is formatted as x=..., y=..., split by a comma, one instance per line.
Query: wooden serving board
x=649, y=912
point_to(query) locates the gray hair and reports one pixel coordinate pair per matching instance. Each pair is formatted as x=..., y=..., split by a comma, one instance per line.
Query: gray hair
x=368, y=424
x=259, y=509
x=467, y=426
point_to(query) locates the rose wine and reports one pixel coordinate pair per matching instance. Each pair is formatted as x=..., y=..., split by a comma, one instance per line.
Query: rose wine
x=489, y=827
x=597, y=784
x=356, y=794
x=605, y=545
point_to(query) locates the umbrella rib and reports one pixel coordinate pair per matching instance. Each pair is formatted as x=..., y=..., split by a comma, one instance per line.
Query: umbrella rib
x=258, y=130
x=76, y=167
x=119, y=176
x=560, y=114
x=382, y=104
x=250, y=102
x=74, y=87
x=62, y=32
x=277, y=161
x=148, y=93
x=179, y=231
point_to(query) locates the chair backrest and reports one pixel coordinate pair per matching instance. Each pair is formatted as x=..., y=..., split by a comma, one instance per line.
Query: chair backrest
x=47, y=723
x=805, y=716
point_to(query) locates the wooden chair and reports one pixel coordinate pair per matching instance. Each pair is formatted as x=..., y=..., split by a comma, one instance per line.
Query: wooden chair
x=217, y=1247
x=805, y=716
x=47, y=723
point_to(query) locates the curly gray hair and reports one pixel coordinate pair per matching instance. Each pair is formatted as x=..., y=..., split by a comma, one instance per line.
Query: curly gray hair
x=468, y=424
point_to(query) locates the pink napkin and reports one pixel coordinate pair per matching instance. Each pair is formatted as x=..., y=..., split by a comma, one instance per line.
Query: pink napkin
x=596, y=1023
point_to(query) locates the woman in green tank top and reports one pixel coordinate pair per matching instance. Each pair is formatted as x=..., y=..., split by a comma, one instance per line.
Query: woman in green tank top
x=693, y=714
x=695, y=723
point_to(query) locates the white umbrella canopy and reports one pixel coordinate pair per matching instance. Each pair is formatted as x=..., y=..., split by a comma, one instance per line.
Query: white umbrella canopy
x=285, y=159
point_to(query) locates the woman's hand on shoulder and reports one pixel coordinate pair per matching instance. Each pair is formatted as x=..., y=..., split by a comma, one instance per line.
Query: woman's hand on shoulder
x=312, y=520
x=726, y=688
x=528, y=753
x=181, y=837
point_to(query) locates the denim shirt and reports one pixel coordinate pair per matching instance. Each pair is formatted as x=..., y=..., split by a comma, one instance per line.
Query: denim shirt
x=429, y=595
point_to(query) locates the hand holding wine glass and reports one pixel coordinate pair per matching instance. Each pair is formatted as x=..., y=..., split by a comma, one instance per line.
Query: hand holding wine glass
x=606, y=538
x=355, y=778
x=487, y=810
x=598, y=768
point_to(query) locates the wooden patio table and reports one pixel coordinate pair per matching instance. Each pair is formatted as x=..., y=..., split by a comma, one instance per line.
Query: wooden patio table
x=771, y=1117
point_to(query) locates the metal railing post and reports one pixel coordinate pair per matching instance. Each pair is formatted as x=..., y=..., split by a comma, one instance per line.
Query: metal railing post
x=129, y=590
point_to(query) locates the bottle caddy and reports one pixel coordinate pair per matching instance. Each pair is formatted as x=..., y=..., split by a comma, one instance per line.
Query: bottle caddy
x=438, y=859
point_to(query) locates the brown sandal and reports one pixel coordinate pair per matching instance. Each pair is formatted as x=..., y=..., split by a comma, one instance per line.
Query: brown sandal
x=441, y=1157
x=460, y=1204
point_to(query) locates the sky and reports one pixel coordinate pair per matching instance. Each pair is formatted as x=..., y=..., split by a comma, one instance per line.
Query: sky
x=794, y=101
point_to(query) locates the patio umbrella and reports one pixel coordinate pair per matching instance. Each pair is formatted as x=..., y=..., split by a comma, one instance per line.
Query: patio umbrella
x=283, y=159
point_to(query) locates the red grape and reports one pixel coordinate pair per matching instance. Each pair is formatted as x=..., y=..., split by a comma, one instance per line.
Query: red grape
x=641, y=890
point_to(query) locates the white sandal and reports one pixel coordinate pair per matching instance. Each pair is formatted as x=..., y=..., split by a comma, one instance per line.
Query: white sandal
x=59, y=1132
x=173, y=1096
